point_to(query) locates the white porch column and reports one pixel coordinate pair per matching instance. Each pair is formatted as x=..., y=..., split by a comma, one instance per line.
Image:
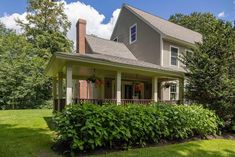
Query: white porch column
x=118, y=89
x=102, y=88
x=54, y=91
x=69, y=84
x=181, y=91
x=155, y=88
x=60, y=90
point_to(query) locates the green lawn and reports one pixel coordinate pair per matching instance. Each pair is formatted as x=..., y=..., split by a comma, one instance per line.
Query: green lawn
x=205, y=148
x=24, y=133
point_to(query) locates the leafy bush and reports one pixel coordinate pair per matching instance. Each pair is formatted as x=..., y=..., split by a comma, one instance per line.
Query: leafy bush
x=88, y=126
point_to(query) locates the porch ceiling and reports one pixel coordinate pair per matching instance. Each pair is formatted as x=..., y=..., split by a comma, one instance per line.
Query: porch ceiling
x=84, y=65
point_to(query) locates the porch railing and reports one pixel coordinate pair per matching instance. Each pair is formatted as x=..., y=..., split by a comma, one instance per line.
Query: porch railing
x=59, y=104
x=95, y=101
x=136, y=101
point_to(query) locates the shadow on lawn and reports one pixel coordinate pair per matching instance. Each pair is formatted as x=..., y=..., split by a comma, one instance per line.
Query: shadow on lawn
x=21, y=141
x=175, y=150
x=197, y=150
x=50, y=123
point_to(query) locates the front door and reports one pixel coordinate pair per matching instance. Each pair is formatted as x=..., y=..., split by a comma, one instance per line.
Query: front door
x=128, y=91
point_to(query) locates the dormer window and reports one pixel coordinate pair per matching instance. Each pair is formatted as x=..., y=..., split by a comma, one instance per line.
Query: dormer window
x=133, y=33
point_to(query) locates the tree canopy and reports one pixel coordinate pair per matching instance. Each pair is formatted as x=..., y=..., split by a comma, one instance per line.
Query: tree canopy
x=47, y=26
x=24, y=57
x=211, y=68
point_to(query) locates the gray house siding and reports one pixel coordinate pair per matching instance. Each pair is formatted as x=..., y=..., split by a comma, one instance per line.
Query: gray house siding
x=167, y=54
x=147, y=46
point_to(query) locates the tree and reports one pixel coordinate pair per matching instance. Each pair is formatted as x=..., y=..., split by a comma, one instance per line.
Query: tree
x=46, y=27
x=24, y=57
x=21, y=78
x=211, y=68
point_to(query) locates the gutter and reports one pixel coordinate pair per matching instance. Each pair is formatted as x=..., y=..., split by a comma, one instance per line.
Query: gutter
x=87, y=59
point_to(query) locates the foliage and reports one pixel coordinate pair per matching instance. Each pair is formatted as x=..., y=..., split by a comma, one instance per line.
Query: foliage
x=47, y=26
x=211, y=68
x=22, y=82
x=88, y=126
x=24, y=57
x=26, y=133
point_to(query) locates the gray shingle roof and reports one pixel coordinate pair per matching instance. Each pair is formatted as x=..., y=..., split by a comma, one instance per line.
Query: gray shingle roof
x=126, y=61
x=108, y=47
x=166, y=27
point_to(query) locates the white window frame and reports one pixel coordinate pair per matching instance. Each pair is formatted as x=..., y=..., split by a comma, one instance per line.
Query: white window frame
x=187, y=50
x=116, y=38
x=177, y=61
x=176, y=92
x=134, y=25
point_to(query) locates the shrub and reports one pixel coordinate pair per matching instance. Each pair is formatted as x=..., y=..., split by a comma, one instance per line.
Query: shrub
x=88, y=126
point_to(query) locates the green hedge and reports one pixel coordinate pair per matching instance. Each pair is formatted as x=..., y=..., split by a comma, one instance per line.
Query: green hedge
x=88, y=126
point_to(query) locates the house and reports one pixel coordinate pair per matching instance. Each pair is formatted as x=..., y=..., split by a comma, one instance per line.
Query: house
x=138, y=64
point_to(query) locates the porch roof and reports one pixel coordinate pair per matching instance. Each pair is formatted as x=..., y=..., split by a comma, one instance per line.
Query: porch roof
x=60, y=59
x=108, y=47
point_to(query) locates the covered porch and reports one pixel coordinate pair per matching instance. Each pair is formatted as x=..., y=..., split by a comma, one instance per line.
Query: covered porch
x=82, y=78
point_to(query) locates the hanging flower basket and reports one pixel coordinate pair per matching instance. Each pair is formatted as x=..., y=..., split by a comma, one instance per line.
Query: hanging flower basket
x=138, y=87
x=94, y=79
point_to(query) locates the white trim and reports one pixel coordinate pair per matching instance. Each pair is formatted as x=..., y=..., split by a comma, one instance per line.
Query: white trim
x=69, y=57
x=161, y=50
x=114, y=28
x=134, y=25
x=176, y=93
x=144, y=20
x=177, y=61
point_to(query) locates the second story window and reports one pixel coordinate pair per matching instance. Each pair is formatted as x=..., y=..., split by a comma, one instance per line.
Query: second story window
x=174, y=55
x=133, y=33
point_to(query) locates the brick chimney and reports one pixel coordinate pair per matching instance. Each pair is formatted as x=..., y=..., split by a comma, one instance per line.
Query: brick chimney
x=81, y=33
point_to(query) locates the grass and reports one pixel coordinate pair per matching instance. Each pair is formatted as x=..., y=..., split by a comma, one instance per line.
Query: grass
x=25, y=133
x=204, y=148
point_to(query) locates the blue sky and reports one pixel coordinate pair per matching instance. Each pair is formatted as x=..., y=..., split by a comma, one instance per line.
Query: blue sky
x=101, y=15
x=163, y=8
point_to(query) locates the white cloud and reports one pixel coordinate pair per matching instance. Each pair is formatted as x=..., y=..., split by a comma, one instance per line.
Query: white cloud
x=94, y=19
x=9, y=20
x=221, y=14
x=74, y=11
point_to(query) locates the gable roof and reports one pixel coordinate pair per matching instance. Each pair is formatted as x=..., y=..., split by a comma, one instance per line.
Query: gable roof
x=108, y=47
x=167, y=28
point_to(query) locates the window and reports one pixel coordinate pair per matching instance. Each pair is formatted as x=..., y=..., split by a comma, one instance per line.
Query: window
x=133, y=33
x=115, y=39
x=173, y=91
x=174, y=55
x=189, y=53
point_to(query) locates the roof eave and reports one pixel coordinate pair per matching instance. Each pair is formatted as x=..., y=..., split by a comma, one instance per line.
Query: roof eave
x=183, y=42
x=84, y=59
